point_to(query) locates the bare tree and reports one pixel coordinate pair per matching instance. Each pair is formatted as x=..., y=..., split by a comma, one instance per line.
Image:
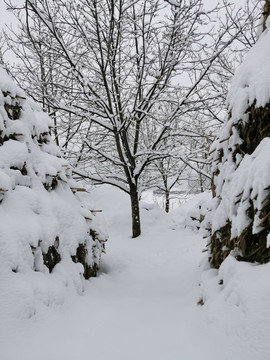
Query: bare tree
x=126, y=61
x=170, y=176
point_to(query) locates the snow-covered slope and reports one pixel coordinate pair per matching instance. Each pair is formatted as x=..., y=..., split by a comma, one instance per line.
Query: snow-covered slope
x=46, y=224
x=143, y=305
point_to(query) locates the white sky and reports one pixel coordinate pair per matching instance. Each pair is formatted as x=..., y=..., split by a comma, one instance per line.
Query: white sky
x=7, y=17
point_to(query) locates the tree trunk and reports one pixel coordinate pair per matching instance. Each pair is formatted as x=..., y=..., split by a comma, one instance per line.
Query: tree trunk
x=167, y=201
x=135, y=210
x=201, y=183
x=266, y=12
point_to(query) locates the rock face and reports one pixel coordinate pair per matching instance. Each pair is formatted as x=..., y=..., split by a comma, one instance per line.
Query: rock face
x=46, y=218
x=239, y=215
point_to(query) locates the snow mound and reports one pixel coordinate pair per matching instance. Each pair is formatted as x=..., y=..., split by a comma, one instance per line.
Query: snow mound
x=236, y=298
x=50, y=236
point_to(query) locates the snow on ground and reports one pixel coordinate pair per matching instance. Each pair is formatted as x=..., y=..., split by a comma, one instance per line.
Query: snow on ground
x=143, y=305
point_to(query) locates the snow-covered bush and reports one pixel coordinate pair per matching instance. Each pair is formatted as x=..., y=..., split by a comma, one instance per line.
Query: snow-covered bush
x=47, y=223
x=192, y=213
x=239, y=221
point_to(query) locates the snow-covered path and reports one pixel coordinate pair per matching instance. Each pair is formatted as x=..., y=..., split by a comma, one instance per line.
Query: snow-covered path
x=143, y=306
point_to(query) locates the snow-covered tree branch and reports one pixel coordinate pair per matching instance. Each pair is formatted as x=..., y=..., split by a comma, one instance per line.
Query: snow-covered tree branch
x=130, y=75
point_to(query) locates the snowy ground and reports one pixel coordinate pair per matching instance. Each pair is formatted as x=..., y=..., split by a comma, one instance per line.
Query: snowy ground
x=143, y=305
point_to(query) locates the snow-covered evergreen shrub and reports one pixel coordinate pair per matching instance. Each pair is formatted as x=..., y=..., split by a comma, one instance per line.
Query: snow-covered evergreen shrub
x=46, y=220
x=196, y=210
x=192, y=213
x=239, y=220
